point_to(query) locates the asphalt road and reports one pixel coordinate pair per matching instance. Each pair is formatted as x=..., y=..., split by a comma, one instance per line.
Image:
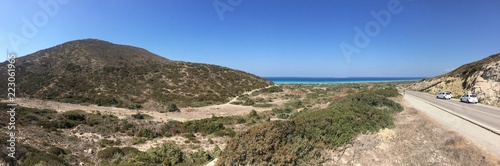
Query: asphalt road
x=484, y=116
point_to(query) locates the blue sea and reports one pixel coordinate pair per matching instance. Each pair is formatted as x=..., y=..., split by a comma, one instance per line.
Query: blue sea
x=332, y=80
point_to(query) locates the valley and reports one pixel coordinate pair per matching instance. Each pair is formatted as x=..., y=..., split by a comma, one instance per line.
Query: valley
x=96, y=134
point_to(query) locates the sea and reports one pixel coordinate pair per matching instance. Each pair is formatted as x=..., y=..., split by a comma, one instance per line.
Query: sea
x=333, y=80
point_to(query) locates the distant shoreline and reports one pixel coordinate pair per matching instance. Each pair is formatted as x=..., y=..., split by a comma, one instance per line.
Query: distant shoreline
x=334, y=80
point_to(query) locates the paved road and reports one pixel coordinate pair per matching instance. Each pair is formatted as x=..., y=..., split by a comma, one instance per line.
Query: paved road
x=485, y=116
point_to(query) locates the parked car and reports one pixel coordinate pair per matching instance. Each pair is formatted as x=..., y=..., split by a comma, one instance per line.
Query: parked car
x=469, y=98
x=444, y=95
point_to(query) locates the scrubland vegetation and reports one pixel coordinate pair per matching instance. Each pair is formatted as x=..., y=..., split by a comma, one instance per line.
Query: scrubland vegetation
x=137, y=127
x=303, y=138
x=309, y=120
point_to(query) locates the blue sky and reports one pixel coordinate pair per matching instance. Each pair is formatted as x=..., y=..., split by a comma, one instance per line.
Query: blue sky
x=422, y=38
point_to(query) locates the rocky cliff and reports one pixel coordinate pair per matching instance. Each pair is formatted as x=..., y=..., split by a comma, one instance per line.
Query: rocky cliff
x=481, y=77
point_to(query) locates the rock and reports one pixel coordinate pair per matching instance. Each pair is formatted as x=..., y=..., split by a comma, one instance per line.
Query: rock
x=480, y=77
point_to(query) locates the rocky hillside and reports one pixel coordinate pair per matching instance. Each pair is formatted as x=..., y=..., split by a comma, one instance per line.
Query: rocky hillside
x=481, y=77
x=99, y=72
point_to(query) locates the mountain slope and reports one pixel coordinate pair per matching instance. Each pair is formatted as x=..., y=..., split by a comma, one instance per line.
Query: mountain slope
x=103, y=73
x=481, y=77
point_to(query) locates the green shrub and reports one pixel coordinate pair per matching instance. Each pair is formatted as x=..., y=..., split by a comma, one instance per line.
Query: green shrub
x=141, y=116
x=294, y=104
x=300, y=141
x=76, y=115
x=107, y=142
x=110, y=152
x=148, y=133
x=253, y=115
x=171, y=107
x=204, y=126
x=282, y=113
x=236, y=103
x=27, y=155
x=189, y=136
x=390, y=91
x=172, y=128
x=134, y=106
x=57, y=124
x=41, y=158
x=56, y=151
x=138, y=116
x=167, y=154
x=272, y=89
x=130, y=151
x=216, y=151
x=248, y=102
x=139, y=140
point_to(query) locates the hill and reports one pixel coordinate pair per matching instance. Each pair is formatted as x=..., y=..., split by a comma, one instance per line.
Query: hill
x=481, y=77
x=99, y=72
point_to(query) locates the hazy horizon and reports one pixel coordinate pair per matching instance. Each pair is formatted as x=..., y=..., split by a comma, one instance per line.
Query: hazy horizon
x=383, y=38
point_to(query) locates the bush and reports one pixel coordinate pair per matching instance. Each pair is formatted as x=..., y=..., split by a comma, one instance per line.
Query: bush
x=76, y=115
x=56, y=151
x=107, y=142
x=27, y=155
x=204, y=126
x=253, y=115
x=136, y=141
x=294, y=104
x=172, y=128
x=141, y=116
x=301, y=140
x=387, y=91
x=248, y=102
x=57, y=124
x=167, y=154
x=272, y=89
x=282, y=113
x=138, y=116
x=189, y=136
x=110, y=153
x=236, y=103
x=172, y=108
x=148, y=133
x=130, y=151
x=134, y=106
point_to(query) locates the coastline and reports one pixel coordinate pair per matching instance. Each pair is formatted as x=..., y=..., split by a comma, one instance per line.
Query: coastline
x=344, y=80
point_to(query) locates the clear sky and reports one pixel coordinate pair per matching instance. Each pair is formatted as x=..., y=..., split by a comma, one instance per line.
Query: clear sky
x=321, y=38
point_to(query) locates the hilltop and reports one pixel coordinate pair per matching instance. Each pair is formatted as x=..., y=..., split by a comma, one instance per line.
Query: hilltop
x=481, y=77
x=98, y=72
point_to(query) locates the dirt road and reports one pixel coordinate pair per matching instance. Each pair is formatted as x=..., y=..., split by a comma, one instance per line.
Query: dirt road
x=185, y=114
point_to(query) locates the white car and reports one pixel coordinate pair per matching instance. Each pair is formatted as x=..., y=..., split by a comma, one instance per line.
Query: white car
x=469, y=98
x=444, y=95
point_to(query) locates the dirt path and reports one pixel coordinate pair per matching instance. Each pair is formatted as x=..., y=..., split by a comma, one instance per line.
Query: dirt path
x=185, y=114
x=248, y=93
